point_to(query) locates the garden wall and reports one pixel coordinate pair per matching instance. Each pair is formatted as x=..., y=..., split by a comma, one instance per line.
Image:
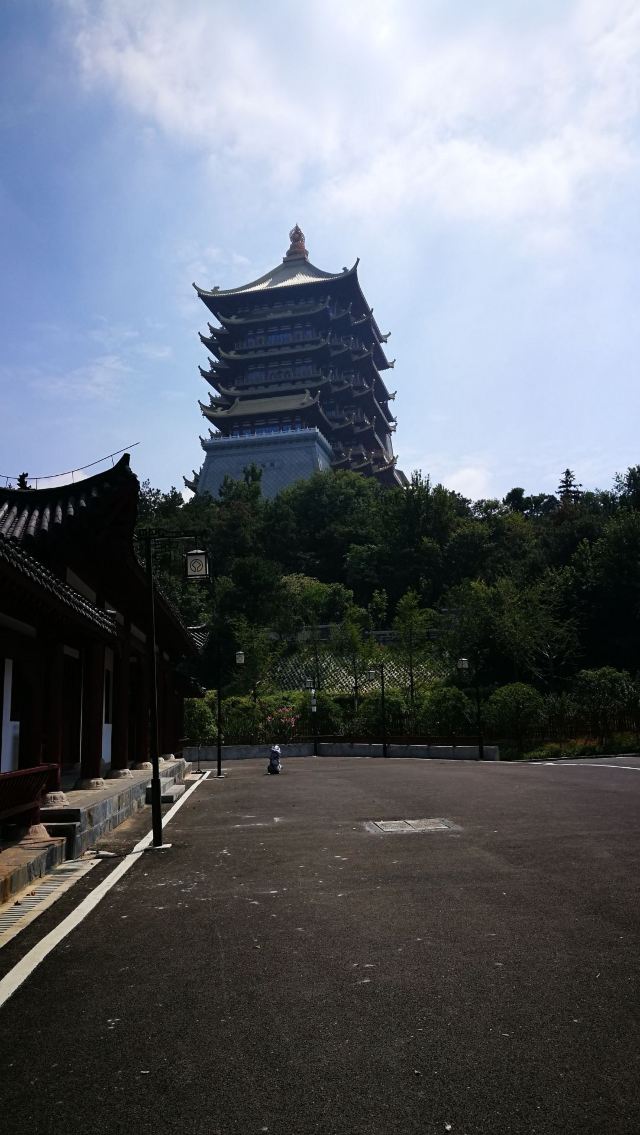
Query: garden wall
x=343, y=749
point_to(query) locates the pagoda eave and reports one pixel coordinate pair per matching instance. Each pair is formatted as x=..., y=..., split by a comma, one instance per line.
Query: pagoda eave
x=254, y=354
x=293, y=311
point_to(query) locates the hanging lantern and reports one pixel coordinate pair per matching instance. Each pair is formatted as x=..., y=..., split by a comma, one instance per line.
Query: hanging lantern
x=196, y=564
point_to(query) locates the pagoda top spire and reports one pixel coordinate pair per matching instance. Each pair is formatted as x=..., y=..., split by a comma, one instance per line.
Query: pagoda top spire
x=297, y=248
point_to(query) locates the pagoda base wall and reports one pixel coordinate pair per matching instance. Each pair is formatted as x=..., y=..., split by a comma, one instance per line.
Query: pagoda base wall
x=282, y=457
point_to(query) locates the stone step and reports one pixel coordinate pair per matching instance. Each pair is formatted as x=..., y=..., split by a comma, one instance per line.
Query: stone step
x=170, y=792
x=70, y=831
x=26, y=861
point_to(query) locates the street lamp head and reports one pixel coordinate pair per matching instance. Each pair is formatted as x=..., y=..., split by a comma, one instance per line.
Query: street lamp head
x=239, y=657
x=372, y=675
x=309, y=683
x=196, y=564
x=463, y=664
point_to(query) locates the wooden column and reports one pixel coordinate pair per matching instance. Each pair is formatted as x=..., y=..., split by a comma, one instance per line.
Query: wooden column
x=92, y=715
x=121, y=697
x=53, y=651
x=142, y=756
x=31, y=710
x=167, y=732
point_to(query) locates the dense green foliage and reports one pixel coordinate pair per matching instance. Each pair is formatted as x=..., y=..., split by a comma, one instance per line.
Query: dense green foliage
x=533, y=590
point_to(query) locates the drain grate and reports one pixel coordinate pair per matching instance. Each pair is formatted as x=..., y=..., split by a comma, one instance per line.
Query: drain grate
x=21, y=910
x=407, y=826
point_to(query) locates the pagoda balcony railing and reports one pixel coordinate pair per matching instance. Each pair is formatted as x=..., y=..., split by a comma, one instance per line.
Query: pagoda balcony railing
x=338, y=419
x=248, y=435
x=276, y=377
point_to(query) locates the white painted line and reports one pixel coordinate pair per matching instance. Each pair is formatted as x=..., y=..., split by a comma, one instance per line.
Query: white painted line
x=629, y=768
x=20, y=972
x=589, y=764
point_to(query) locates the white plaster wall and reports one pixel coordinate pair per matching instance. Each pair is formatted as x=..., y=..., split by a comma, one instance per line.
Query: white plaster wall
x=10, y=729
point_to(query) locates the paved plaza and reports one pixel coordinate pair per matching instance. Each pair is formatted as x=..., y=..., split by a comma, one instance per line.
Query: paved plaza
x=289, y=966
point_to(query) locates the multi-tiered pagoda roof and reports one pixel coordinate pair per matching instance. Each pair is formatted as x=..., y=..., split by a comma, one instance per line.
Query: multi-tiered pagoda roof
x=299, y=349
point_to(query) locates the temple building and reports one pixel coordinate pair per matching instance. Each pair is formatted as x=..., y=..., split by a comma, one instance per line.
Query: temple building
x=75, y=673
x=295, y=362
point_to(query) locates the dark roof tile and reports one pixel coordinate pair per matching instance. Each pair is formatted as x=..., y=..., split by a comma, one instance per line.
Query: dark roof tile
x=14, y=558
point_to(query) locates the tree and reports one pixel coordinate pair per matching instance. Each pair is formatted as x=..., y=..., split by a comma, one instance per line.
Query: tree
x=308, y=602
x=158, y=507
x=410, y=625
x=515, y=500
x=348, y=645
x=378, y=610
x=515, y=712
x=199, y=722
x=446, y=711
x=260, y=649
x=627, y=487
x=569, y=489
x=604, y=695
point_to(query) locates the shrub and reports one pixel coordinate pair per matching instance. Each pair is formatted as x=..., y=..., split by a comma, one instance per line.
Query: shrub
x=515, y=711
x=368, y=720
x=445, y=710
x=603, y=695
x=199, y=722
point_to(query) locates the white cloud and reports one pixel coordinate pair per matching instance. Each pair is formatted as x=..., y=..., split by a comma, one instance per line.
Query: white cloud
x=111, y=336
x=98, y=379
x=156, y=351
x=480, y=119
x=473, y=481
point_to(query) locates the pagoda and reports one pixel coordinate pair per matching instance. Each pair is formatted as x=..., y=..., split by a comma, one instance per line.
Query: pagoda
x=295, y=362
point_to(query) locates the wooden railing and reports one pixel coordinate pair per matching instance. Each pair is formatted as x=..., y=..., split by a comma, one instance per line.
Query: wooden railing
x=20, y=791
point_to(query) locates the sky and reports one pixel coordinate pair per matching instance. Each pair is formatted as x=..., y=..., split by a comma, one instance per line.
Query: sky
x=481, y=157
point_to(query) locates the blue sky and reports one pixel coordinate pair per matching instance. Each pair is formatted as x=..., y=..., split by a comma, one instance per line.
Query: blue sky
x=481, y=157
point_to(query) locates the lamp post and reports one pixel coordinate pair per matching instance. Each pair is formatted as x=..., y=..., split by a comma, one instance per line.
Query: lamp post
x=151, y=536
x=372, y=675
x=463, y=667
x=311, y=686
x=239, y=662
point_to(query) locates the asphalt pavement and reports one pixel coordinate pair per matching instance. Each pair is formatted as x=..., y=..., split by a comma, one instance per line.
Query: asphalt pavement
x=286, y=967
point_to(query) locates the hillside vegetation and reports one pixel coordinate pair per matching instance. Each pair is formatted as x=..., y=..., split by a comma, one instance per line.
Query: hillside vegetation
x=537, y=591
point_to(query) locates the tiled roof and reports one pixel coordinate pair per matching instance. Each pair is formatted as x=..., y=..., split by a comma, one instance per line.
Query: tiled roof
x=16, y=562
x=240, y=409
x=288, y=274
x=44, y=513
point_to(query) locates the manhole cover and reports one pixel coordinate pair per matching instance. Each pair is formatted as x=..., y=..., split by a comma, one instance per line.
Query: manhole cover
x=407, y=826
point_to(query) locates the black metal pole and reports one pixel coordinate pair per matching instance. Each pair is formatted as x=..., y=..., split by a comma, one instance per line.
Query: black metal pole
x=314, y=714
x=479, y=724
x=156, y=790
x=219, y=773
x=384, y=712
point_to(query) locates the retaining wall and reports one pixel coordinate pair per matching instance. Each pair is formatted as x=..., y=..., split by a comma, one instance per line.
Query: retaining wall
x=344, y=749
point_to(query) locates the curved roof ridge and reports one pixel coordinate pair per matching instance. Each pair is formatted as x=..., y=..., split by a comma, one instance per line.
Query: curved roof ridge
x=287, y=274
